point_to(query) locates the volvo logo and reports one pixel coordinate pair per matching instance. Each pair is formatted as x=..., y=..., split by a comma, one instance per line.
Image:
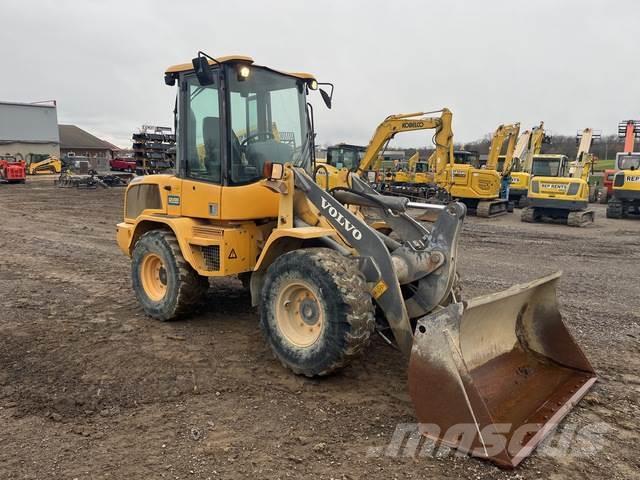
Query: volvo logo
x=338, y=217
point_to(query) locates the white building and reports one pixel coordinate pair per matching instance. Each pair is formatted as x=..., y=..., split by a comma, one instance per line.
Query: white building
x=29, y=130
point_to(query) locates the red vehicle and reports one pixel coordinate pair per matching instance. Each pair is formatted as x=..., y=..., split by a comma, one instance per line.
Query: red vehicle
x=123, y=164
x=12, y=170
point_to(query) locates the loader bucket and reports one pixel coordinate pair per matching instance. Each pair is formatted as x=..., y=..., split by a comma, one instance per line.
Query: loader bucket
x=493, y=376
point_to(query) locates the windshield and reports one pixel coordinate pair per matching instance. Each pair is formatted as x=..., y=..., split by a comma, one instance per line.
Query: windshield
x=348, y=158
x=422, y=167
x=629, y=161
x=268, y=123
x=466, y=158
x=547, y=167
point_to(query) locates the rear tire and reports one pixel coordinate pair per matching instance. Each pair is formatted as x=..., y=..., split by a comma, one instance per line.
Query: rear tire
x=166, y=286
x=316, y=311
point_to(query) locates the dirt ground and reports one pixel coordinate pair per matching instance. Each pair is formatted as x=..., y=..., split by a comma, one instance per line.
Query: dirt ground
x=91, y=388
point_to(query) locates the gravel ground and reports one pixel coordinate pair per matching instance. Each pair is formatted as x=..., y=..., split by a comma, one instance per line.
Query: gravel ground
x=91, y=388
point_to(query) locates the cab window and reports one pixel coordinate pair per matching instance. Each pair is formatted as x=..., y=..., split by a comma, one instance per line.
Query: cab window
x=203, y=132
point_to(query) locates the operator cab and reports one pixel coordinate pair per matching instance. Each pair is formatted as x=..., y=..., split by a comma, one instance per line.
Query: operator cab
x=466, y=157
x=346, y=156
x=238, y=117
x=628, y=161
x=549, y=165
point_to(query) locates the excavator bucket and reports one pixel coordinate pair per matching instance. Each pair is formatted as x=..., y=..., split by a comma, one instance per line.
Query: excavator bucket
x=493, y=376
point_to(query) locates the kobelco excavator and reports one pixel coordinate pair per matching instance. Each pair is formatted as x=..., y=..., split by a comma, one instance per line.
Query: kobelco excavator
x=365, y=161
x=502, y=367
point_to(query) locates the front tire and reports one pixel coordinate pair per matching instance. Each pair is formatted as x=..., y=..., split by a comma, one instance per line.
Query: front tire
x=316, y=311
x=166, y=286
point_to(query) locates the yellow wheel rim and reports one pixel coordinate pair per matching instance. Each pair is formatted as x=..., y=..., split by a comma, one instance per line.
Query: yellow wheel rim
x=154, y=277
x=299, y=314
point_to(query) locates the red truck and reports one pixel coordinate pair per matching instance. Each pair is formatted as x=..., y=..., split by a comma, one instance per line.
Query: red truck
x=12, y=170
x=123, y=164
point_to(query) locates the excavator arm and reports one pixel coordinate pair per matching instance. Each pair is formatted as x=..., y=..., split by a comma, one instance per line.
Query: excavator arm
x=581, y=167
x=537, y=138
x=411, y=164
x=503, y=133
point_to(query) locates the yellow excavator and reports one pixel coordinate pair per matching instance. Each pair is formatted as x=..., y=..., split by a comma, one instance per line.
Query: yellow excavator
x=414, y=179
x=558, y=189
x=503, y=367
x=366, y=162
x=341, y=157
x=529, y=145
x=479, y=187
x=625, y=189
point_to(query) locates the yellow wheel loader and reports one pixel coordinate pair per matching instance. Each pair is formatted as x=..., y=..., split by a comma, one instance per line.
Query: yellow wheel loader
x=503, y=367
x=559, y=189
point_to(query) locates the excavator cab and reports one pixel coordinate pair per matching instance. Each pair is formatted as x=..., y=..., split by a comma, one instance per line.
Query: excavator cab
x=243, y=202
x=341, y=159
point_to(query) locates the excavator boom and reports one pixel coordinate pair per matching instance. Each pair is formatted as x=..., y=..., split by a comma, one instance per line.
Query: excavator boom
x=409, y=122
x=503, y=133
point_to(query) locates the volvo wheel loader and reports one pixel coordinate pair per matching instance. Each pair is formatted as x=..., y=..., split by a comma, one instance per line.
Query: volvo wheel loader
x=502, y=367
x=559, y=189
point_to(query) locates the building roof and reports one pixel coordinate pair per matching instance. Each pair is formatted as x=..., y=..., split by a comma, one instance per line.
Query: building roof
x=72, y=136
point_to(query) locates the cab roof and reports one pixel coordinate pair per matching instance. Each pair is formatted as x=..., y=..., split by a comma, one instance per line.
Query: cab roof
x=549, y=155
x=188, y=67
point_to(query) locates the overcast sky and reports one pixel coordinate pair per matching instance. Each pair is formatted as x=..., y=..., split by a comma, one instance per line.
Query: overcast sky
x=573, y=64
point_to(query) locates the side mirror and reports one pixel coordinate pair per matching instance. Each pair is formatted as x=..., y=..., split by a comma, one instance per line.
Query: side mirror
x=203, y=70
x=327, y=96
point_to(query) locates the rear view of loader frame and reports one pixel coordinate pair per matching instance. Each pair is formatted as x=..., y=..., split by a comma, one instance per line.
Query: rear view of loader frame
x=317, y=270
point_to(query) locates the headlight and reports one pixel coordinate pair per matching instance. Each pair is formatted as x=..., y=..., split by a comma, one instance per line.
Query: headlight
x=313, y=85
x=573, y=189
x=244, y=72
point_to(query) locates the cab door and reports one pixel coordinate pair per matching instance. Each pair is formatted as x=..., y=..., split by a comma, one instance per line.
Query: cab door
x=201, y=148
